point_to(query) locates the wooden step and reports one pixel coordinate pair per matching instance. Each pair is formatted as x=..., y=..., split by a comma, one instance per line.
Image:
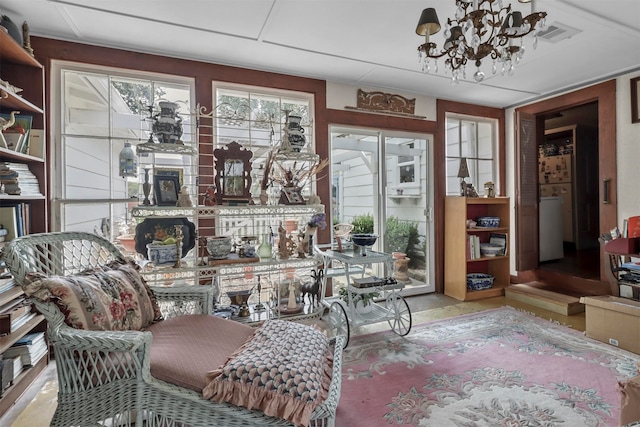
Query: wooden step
x=558, y=303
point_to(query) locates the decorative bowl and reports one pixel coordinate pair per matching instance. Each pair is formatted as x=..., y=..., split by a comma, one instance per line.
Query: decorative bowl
x=479, y=281
x=488, y=249
x=488, y=221
x=162, y=254
x=219, y=247
x=364, y=239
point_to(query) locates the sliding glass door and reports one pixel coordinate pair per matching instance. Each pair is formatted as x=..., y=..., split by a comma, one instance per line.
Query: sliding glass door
x=381, y=183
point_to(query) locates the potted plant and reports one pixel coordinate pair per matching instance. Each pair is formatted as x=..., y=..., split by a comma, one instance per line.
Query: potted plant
x=362, y=302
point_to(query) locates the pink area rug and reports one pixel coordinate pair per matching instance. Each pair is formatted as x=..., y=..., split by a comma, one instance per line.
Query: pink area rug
x=498, y=367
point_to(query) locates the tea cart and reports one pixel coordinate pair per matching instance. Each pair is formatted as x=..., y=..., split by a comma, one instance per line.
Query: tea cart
x=345, y=314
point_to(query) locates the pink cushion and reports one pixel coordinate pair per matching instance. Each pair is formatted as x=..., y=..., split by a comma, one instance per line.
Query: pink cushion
x=284, y=370
x=112, y=297
x=185, y=348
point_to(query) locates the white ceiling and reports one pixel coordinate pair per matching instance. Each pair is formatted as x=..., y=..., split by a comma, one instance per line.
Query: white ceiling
x=365, y=43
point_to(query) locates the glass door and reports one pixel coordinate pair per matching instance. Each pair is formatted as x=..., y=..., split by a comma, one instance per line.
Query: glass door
x=407, y=210
x=381, y=185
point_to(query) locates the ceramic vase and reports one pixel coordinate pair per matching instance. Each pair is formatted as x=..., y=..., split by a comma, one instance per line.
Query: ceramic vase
x=146, y=187
x=265, y=251
x=167, y=125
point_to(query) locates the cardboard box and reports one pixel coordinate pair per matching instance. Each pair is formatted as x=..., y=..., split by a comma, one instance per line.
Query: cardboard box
x=613, y=320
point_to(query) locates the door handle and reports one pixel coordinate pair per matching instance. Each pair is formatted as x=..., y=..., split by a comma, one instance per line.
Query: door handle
x=605, y=191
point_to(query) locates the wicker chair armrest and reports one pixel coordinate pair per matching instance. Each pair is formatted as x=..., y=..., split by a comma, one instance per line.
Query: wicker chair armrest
x=88, y=360
x=184, y=300
x=333, y=396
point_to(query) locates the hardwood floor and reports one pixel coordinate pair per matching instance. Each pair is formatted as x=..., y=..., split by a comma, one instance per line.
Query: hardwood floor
x=423, y=307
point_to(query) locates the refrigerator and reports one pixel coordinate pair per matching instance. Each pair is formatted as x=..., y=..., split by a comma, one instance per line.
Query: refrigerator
x=555, y=178
x=550, y=229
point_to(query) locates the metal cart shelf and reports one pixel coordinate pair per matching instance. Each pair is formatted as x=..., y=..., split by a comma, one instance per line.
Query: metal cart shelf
x=343, y=314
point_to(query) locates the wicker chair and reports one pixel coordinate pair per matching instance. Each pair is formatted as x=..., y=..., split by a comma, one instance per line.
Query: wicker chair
x=112, y=383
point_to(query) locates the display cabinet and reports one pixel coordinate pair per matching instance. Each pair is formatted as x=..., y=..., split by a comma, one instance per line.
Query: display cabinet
x=267, y=263
x=458, y=232
x=25, y=210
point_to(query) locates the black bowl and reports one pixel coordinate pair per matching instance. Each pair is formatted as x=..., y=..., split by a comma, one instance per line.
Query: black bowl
x=364, y=239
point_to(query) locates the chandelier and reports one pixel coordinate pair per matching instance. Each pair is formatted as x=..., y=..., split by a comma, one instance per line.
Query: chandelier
x=480, y=29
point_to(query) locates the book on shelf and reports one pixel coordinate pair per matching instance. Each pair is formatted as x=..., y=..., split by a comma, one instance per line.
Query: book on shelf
x=9, y=221
x=36, y=143
x=473, y=246
x=17, y=365
x=500, y=239
x=6, y=283
x=18, y=180
x=31, y=348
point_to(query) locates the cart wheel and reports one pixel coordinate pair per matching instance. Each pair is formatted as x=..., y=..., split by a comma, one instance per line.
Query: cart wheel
x=338, y=322
x=400, y=323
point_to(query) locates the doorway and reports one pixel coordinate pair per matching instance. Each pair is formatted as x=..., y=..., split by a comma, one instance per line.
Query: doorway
x=568, y=188
x=530, y=129
x=381, y=183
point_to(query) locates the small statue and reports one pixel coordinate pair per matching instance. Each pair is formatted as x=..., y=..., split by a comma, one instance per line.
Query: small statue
x=26, y=38
x=210, y=196
x=184, y=201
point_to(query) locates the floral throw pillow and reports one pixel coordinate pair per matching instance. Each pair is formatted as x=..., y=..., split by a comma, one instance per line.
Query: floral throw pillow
x=113, y=297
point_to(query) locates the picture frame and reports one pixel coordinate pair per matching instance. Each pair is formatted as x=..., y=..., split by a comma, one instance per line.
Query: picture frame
x=16, y=137
x=635, y=100
x=166, y=189
x=176, y=172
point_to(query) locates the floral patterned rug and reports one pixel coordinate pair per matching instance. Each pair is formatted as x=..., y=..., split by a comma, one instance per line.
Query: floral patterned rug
x=498, y=367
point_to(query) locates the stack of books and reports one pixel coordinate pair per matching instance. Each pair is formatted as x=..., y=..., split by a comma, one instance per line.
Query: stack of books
x=18, y=180
x=31, y=348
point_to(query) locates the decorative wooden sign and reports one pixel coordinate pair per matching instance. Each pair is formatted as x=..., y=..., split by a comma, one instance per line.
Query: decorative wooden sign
x=385, y=103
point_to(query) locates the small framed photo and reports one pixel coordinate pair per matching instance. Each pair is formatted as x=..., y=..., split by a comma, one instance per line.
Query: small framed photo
x=291, y=196
x=166, y=189
x=177, y=172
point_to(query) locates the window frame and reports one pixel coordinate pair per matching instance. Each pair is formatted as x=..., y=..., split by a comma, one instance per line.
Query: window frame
x=57, y=178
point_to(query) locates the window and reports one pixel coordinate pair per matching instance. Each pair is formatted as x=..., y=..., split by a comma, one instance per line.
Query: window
x=473, y=138
x=101, y=109
x=254, y=117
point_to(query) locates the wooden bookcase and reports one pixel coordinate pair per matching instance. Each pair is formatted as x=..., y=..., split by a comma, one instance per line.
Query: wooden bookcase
x=20, y=69
x=456, y=262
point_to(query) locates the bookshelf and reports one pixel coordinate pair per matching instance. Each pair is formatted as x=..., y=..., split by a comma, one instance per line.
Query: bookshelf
x=457, y=262
x=18, y=69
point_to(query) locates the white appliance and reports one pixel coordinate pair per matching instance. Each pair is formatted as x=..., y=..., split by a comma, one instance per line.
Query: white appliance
x=550, y=228
x=556, y=180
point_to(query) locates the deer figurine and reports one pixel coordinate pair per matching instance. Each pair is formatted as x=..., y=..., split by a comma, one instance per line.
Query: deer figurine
x=313, y=288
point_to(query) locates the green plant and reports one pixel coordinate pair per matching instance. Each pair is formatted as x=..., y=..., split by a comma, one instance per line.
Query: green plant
x=362, y=224
x=401, y=236
x=365, y=298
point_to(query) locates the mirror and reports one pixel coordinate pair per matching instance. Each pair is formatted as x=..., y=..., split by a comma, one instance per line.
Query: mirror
x=233, y=174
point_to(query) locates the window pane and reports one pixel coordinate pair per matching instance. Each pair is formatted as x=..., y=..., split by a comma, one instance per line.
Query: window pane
x=85, y=104
x=485, y=140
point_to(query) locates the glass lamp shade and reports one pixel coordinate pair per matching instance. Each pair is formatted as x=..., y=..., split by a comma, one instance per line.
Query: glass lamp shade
x=127, y=161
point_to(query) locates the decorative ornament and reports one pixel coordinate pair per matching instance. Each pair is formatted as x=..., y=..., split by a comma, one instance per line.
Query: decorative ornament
x=127, y=161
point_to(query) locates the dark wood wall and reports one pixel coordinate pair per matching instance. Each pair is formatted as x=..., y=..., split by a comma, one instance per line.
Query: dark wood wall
x=204, y=74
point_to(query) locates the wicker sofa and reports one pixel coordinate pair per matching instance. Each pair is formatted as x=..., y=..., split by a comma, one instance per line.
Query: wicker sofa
x=108, y=376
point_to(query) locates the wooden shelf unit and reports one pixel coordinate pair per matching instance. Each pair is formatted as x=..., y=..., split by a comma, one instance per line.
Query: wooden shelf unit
x=21, y=69
x=456, y=265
